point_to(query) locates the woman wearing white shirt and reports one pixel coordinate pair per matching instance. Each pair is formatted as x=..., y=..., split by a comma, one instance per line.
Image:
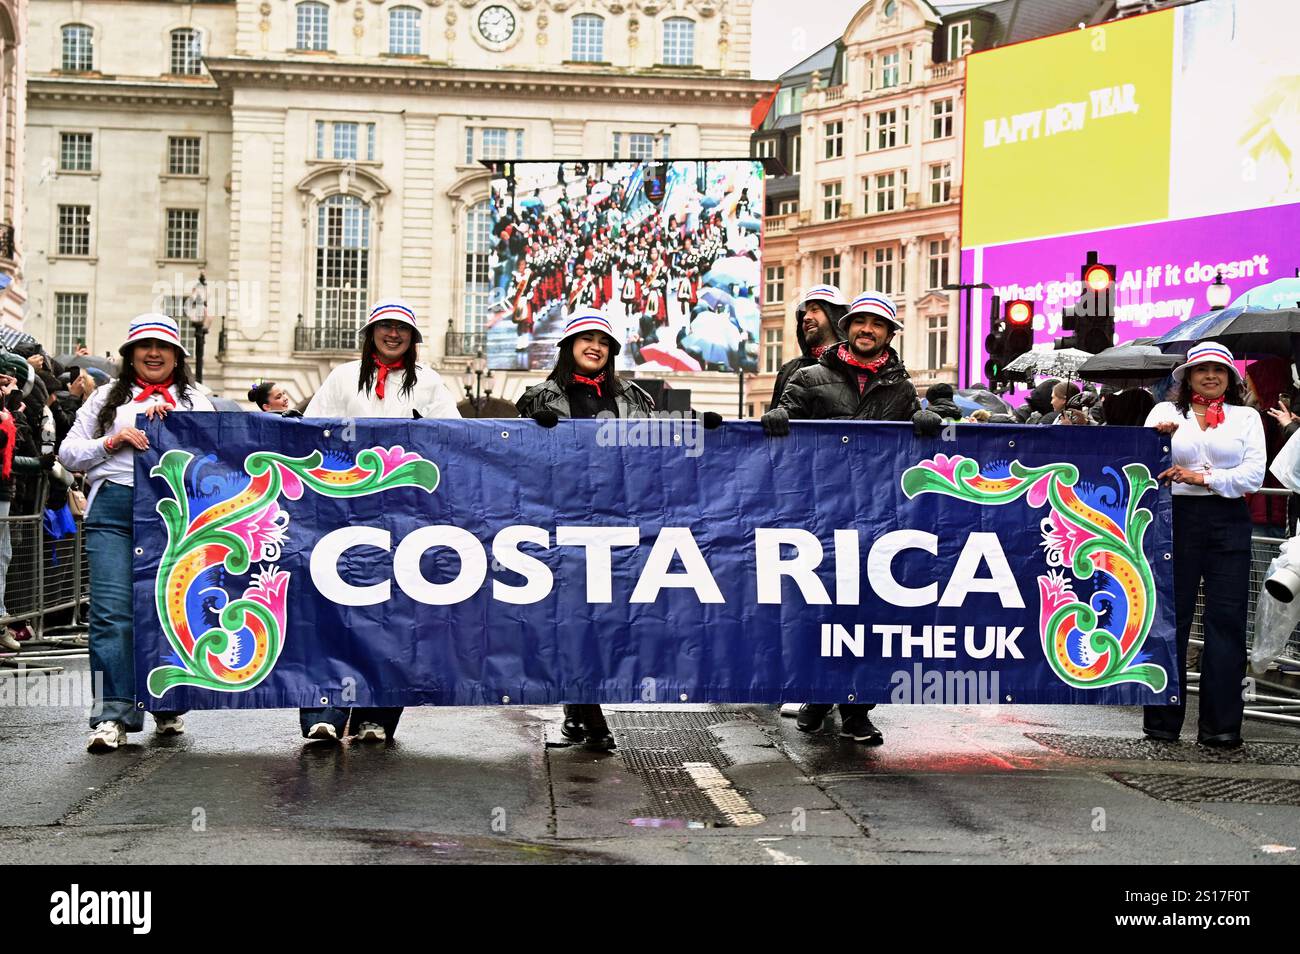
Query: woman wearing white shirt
x=1217, y=447
x=386, y=382
x=102, y=443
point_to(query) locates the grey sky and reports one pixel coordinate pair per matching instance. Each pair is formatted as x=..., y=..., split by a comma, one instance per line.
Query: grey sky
x=787, y=31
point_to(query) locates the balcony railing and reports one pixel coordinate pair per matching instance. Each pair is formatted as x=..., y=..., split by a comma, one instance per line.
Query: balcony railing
x=330, y=336
x=465, y=343
x=946, y=71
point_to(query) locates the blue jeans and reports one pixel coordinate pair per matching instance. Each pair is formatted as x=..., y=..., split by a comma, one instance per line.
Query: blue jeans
x=387, y=717
x=108, y=532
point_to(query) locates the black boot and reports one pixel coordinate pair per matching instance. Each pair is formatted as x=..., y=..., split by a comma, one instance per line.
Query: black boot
x=812, y=716
x=599, y=738
x=571, y=729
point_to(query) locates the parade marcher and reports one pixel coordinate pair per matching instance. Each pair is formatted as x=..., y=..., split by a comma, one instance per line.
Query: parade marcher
x=816, y=328
x=387, y=381
x=584, y=384
x=861, y=378
x=1217, y=449
x=154, y=380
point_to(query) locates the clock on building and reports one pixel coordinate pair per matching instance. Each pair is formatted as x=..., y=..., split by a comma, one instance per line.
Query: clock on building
x=496, y=24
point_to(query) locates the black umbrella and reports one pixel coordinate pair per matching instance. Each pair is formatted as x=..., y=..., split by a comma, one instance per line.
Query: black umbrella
x=1129, y=365
x=1243, y=330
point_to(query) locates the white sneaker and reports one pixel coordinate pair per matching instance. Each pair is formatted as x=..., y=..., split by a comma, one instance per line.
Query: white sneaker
x=322, y=731
x=106, y=737
x=168, y=725
x=8, y=642
x=370, y=732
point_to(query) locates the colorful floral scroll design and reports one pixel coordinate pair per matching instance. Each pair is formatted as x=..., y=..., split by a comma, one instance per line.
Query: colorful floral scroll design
x=1088, y=644
x=231, y=645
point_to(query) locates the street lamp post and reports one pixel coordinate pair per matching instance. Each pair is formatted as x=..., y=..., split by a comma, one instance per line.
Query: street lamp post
x=965, y=358
x=477, y=374
x=1218, y=293
x=196, y=310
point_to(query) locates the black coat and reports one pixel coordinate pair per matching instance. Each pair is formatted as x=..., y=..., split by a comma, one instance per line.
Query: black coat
x=828, y=390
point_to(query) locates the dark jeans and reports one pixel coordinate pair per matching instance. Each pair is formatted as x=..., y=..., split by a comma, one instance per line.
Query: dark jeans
x=1211, y=546
x=339, y=717
x=108, y=532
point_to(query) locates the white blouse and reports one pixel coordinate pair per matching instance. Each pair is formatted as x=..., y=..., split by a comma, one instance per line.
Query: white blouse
x=339, y=397
x=1231, y=455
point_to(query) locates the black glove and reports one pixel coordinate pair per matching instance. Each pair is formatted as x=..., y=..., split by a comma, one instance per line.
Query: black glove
x=546, y=417
x=416, y=415
x=712, y=420
x=925, y=423
x=293, y=412
x=776, y=422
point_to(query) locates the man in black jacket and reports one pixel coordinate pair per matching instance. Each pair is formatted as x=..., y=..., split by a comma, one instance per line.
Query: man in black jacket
x=816, y=327
x=861, y=378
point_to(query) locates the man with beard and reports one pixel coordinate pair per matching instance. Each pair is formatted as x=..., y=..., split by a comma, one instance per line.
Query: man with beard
x=816, y=327
x=861, y=378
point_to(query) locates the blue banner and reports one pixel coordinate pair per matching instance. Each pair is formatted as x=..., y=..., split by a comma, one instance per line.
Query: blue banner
x=382, y=562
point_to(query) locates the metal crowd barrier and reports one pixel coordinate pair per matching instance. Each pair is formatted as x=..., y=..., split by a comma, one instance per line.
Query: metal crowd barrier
x=47, y=585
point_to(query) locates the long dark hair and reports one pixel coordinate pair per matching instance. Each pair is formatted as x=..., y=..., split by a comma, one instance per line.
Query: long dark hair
x=120, y=392
x=1231, y=394
x=366, y=379
x=566, y=366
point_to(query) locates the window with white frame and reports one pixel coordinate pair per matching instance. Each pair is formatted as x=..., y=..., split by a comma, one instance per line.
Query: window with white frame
x=937, y=263
x=478, y=268
x=312, y=26
x=885, y=189
x=774, y=289
x=679, y=42
x=182, y=237
x=175, y=306
x=78, y=48
x=867, y=143
x=940, y=182
x=345, y=140
x=186, y=53
x=796, y=155
x=831, y=268
x=772, y=350
x=492, y=142
x=70, y=311
x=941, y=118
x=787, y=207
x=765, y=149
x=640, y=146
x=404, y=31
x=889, y=70
x=833, y=137
x=878, y=269
x=832, y=197
x=76, y=151
x=342, y=270
x=937, y=340
x=588, y=37
x=74, y=230
x=887, y=129
x=958, y=34
x=183, y=155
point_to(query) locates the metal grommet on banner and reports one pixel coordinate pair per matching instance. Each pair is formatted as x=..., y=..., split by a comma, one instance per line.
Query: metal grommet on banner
x=1008, y=698
x=1011, y=443
x=844, y=439
x=139, y=705
x=852, y=697
x=1173, y=699
x=505, y=700
x=682, y=697
x=1169, y=556
x=139, y=551
x=324, y=700
x=326, y=432
x=677, y=438
x=1165, y=449
x=505, y=434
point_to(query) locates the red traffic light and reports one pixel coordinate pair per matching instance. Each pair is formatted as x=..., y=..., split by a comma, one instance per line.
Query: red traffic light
x=1098, y=277
x=1019, y=312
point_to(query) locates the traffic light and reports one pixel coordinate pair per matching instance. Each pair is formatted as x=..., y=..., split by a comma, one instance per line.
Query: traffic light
x=1093, y=316
x=1018, y=319
x=994, y=345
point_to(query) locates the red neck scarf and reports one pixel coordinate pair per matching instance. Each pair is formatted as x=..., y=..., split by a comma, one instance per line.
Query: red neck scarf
x=11, y=436
x=819, y=350
x=381, y=375
x=865, y=369
x=160, y=389
x=595, y=382
x=1214, y=415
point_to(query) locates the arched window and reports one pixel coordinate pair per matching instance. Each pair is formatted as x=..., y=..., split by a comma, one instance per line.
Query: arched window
x=404, y=30
x=478, y=271
x=313, y=26
x=187, y=53
x=78, y=48
x=588, y=39
x=342, y=270
x=679, y=42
